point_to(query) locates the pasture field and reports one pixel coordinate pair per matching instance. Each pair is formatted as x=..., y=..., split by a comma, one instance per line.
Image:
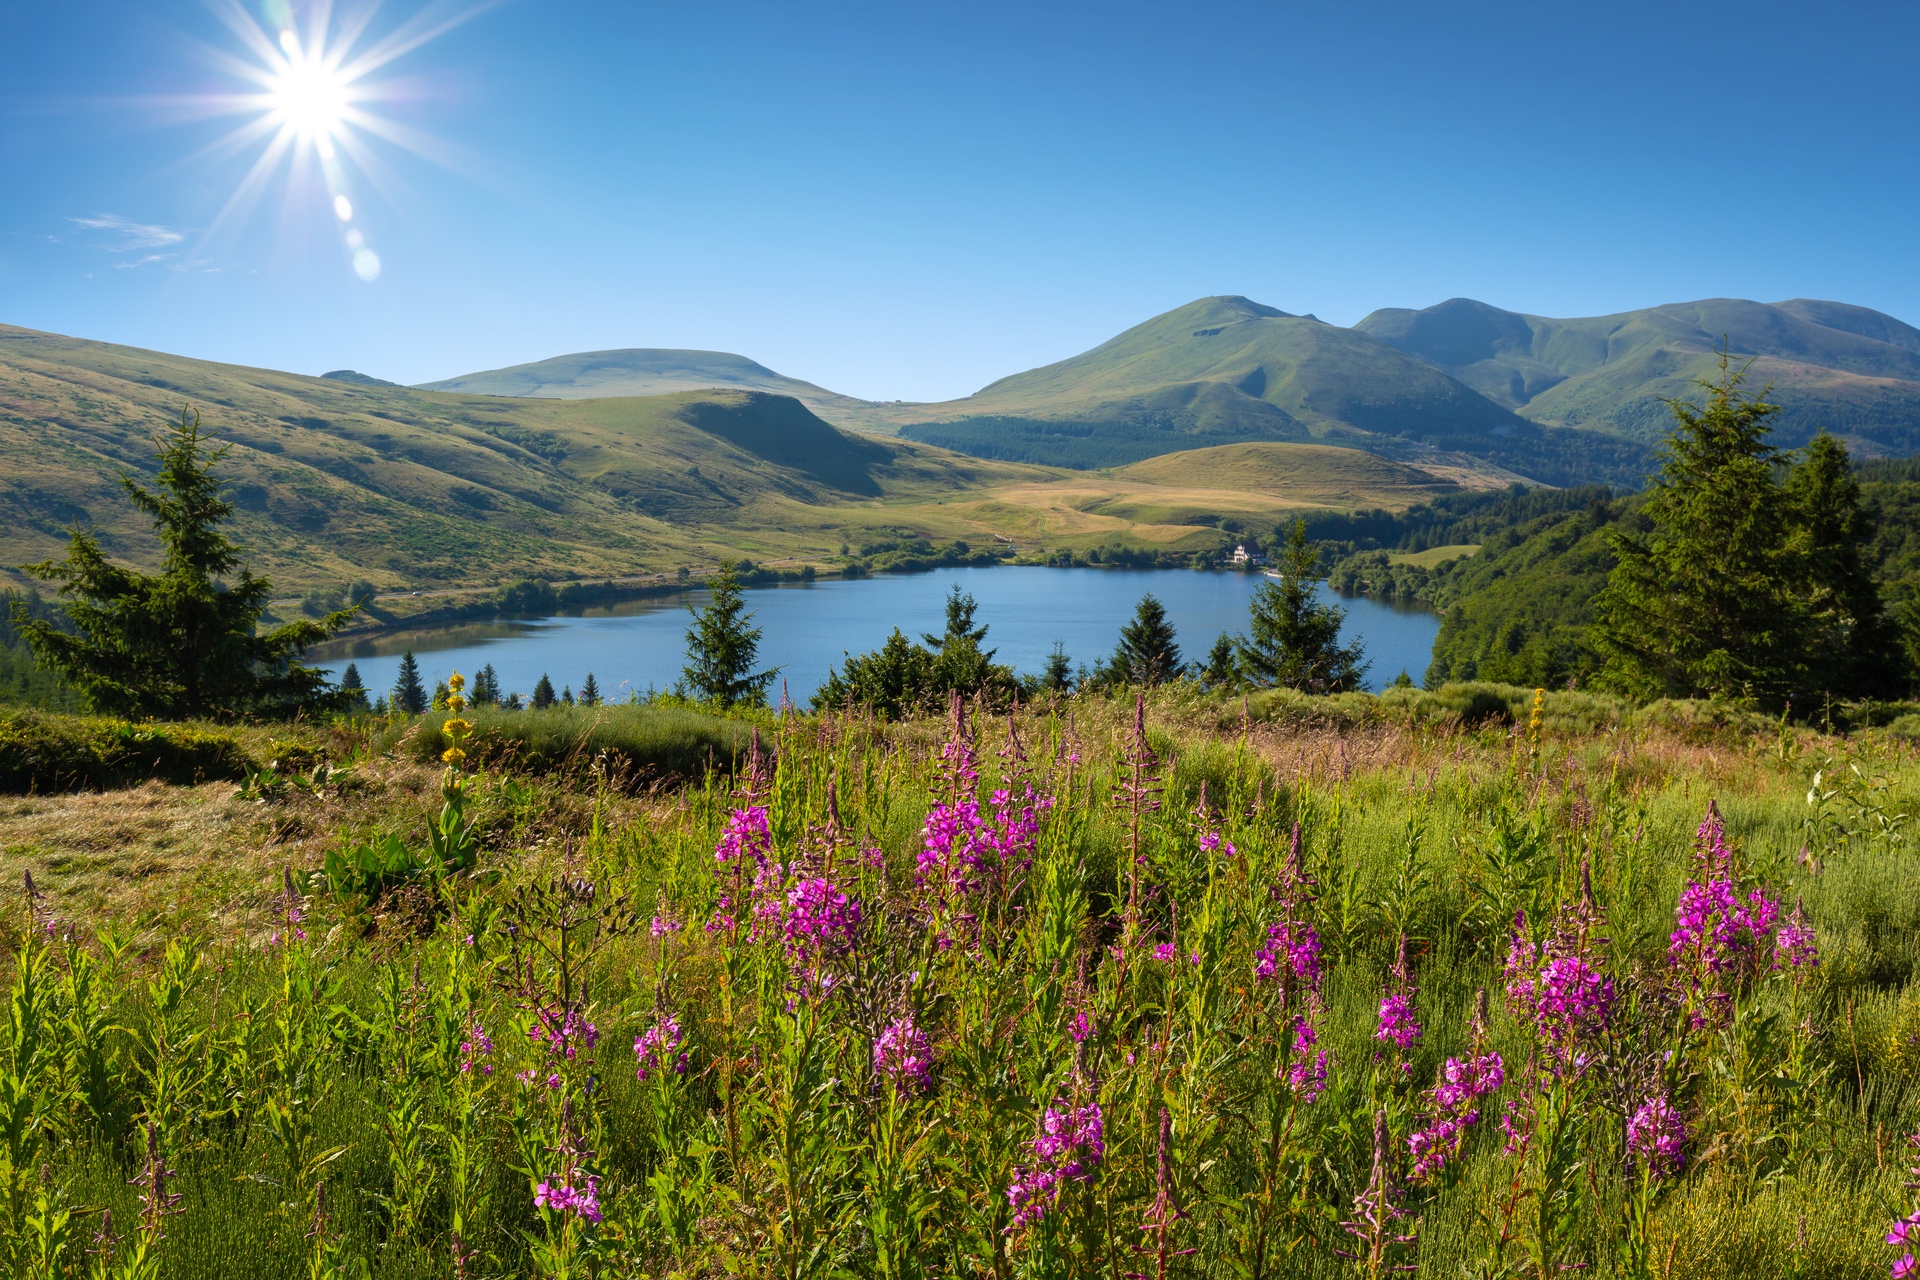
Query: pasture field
x=1284, y=987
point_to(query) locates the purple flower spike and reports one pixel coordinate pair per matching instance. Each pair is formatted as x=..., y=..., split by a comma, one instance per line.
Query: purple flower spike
x=1658, y=1135
x=902, y=1056
x=658, y=1049
x=1396, y=1021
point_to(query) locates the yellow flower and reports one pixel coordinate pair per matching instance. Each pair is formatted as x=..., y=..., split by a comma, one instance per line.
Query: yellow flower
x=457, y=728
x=456, y=703
x=456, y=682
x=453, y=755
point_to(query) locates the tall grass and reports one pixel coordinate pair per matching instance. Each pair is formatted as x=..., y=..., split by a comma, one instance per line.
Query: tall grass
x=328, y=1096
x=640, y=741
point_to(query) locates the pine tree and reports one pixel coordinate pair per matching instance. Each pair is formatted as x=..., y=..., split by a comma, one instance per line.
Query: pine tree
x=1294, y=640
x=353, y=693
x=589, y=692
x=722, y=648
x=409, y=695
x=1702, y=601
x=1853, y=647
x=1147, y=653
x=960, y=628
x=566, y=694
x=542, y=693
x=1222, y=667
x=1057, y=676
x=486, y=687
x=184, y=643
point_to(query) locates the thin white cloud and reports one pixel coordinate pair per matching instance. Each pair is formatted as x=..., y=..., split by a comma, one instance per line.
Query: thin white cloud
x=124, y=235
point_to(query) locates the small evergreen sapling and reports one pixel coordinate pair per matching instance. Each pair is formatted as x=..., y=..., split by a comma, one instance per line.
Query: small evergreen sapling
x=589, y=692
x=543, y=693
x=723, y=647
x=1147, y=653
x=409, y=695
x=1293, y=640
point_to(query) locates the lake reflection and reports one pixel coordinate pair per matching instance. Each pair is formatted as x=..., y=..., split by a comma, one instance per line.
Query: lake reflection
x=809, y=628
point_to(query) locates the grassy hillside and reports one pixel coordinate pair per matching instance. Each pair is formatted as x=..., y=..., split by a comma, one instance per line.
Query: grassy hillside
x=1226, y=369
x=1849, y=369
x=337, y=479
x=653, y=371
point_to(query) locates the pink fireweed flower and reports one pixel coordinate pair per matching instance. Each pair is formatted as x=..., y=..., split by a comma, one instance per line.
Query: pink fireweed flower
x=1166, y=953
x=1658, y=1135
x=1307, y=1076
x=1210, y=841
x=1081, y=1027
x=663, y=925
x=1463, y=1082
x=1554, y=987
x=748, y=835
x=658, y=1049
x=1292, y=946
x=563, y=1034
x=581, y=1202
x=1903, y=1230
x=475, y=1047
x=1794, y=946
x=1904, y=1267
x=1396, y=1020
x=902, y=1056
x=1070, y=1146
x=821, y=922
x=1715, y=927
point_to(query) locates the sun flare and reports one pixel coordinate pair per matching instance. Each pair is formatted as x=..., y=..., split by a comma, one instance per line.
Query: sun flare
x=312, y=91
x=310, y=96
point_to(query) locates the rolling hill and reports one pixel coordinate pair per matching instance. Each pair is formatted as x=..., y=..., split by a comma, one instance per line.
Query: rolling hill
x=1849, y=369
x=344, y=476
x=652, y=371
x=338, y=478
x=1229, y=369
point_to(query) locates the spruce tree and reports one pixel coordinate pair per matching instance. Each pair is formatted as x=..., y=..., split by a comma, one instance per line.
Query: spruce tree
x=1853, y=648
x=1147, y=653
x=542, y=693
x=1293, y=640
x=183, y=643
x=722, y=648
x=1702, y=600
x=1222, y=667
x=409, y=695
x=353, y=693
x=1057, y=676
x=486, y=687
x=960, y=628
x=589, y=692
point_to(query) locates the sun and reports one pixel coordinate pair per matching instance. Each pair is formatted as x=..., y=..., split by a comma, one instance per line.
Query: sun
x=312, y=86
x=309, y=96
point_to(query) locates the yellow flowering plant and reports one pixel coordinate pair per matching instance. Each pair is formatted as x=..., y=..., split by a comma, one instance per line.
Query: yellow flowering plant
x=451, y=832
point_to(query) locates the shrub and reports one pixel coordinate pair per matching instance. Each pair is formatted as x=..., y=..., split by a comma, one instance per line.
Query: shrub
x=42, y=752
x=637, y=739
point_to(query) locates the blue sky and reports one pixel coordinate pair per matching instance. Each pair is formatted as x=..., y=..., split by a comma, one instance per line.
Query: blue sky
x=902, y=200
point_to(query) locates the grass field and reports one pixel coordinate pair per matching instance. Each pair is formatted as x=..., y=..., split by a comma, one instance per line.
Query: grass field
x=853, y=1014
x=1432, y=557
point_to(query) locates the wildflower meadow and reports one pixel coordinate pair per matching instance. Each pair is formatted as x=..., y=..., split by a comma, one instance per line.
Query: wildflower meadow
x=1085, y=990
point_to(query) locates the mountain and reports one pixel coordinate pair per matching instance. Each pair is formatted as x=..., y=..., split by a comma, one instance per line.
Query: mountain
x=652, y=371
x=337, y=478
x=1849, y=369
x=1228, y=369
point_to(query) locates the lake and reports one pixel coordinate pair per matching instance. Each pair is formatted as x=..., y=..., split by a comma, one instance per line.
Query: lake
x=810, y=627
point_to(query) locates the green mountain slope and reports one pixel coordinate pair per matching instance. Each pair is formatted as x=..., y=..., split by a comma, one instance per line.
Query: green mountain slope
x=338, y=478
x=653, y=371
x=1227, y=369
x=1849, y=369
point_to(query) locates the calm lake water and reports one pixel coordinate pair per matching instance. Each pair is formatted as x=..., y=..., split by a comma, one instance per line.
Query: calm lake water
x=810, y=628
